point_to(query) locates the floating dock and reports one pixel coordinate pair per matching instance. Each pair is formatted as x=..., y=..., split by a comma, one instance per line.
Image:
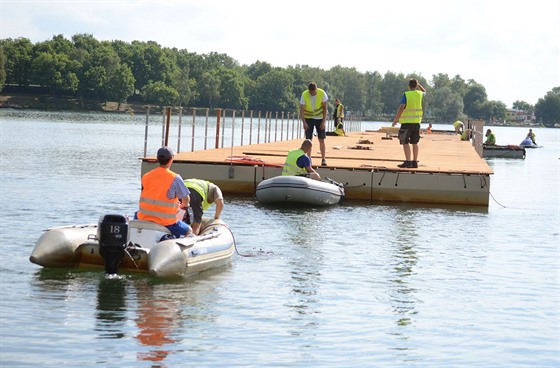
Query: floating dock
x=450, y=171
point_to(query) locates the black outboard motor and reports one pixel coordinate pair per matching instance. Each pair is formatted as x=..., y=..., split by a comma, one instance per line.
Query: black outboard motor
x=112, y=234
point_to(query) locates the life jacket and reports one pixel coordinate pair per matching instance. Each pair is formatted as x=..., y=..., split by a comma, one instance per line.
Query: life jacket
x=201, y=187
x=154, y=204
x=313, y=112
x=412, y=113
x=338, y=130
x=338, y=111
x=290, y=166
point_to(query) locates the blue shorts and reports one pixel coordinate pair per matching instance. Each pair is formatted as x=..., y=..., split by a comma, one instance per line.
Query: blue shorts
x=315, y=124
x=409, y=133
x=179, y=229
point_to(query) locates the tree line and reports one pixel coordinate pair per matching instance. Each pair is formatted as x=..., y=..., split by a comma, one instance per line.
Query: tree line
x=117, y=71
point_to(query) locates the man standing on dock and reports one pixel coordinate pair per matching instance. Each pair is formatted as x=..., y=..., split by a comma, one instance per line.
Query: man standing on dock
x=409, y=114
x=313, y=113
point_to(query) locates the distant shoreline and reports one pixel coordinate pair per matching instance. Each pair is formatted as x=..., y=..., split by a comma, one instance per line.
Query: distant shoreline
x=65, y=103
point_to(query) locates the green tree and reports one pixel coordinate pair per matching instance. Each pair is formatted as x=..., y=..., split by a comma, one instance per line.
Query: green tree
x=474, y=100
x=160, y=94
x=120, y=85
x=184, y=85
x=231, y=94
x=2, y=68
x=19, y=53
x=350, y=86
x=440, y=80
x=458, y=85
x=446, y=106
x=373, y=103
x=93, y=82
x=55, y=71
x=523, y=106
x=273, y=92
x=208, y=89
x=257, y=69
x=493, y=111
x=547, y=109
x=392, y=87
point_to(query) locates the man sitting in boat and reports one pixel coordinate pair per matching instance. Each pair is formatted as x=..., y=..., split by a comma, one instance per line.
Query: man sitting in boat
x=298, y=162
x=203, y=194
x=490, y=138
x=161, y=191
x=531, y=136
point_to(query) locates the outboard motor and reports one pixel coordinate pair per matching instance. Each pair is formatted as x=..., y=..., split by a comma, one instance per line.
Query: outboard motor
x=112, y=234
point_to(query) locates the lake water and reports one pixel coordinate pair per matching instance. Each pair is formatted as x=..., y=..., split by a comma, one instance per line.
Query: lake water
x=355, y=285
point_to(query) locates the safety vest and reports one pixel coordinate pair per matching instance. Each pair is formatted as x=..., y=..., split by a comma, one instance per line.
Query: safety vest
x=313, y=112
x=201, y=187
x=154, y=204
x=412, y=113
x=337, y=129
x=290, y=166
x=338, y=111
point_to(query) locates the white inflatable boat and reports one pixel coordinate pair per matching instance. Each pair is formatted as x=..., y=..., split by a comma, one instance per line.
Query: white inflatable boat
x=299, y=189
x=134, y=246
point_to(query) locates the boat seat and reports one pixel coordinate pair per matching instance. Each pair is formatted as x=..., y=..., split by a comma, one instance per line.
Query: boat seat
x=146, y=233
x=148, y=225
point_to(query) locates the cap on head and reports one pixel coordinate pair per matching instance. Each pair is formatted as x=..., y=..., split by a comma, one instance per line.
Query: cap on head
x=165, y=153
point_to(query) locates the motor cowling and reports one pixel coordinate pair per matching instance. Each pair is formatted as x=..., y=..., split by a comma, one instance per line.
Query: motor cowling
x=112, y=234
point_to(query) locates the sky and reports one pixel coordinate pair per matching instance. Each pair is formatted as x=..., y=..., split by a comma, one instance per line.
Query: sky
x=510, y=47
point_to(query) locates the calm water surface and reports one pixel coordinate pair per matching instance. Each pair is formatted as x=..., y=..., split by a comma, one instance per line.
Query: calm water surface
x=392, y=285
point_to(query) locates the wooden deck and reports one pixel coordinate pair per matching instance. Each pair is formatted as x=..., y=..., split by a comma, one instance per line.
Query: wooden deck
x=450, y=171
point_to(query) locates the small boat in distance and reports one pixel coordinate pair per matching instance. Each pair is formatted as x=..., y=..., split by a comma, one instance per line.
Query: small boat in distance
x=528, y=143
x=509, y=151
x=134, y=246
x=299, y=189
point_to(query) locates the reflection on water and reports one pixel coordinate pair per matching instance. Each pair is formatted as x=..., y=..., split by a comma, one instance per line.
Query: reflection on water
x=157, y=318
x=403, y=262
x=111, y=308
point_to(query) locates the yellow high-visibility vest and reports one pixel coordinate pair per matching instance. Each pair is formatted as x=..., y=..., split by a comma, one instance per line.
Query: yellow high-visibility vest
x=313, y=112
x=290, y=166
x=412, y=113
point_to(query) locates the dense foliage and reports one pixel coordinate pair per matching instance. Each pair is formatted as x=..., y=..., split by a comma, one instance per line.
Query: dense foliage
x=116, y=71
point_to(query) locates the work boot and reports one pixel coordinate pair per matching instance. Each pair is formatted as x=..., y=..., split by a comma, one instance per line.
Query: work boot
x=414, y=164
x=323, y=162
x=405, y=165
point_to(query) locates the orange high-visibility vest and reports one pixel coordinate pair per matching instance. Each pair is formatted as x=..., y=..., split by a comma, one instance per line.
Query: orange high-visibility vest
x=154, y=204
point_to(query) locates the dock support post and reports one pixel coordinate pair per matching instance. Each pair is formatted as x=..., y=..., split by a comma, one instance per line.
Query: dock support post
x=218, y=116
x=146, y=132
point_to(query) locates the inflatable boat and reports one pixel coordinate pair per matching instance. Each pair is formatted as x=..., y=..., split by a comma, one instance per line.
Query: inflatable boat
x=510, y=151
x=116, y=243
x=528, y=143
x=299, y=189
